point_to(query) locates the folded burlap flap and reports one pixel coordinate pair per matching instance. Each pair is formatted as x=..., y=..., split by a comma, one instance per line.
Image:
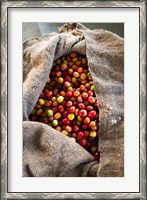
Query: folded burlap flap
x=46, y=151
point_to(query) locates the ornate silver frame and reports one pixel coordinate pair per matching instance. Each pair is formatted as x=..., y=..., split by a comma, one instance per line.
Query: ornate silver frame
x=4, y=98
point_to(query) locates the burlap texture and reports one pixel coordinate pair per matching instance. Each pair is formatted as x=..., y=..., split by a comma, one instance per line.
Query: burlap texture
x=47, y=152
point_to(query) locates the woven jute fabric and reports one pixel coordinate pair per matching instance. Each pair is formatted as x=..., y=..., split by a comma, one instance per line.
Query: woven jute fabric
x=46, y=151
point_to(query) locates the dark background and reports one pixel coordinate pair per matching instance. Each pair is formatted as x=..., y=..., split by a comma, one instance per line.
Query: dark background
x=35, y=29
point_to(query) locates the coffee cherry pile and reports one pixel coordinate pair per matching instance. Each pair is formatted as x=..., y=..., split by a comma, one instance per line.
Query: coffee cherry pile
x=68, y=102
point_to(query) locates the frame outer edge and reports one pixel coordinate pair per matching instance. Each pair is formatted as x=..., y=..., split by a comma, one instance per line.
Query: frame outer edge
x=4, y=99
x=143, y=99
x=4, y=16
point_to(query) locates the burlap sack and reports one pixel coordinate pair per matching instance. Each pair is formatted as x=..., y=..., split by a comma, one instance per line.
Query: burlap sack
x=47, y=152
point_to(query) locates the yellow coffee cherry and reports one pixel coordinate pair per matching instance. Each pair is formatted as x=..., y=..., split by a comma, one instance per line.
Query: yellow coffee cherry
x=65, y=132
x=39, y=112
x=54, y=122
x=65, y=61
x=74, y=80
x=71, y=116
x=60, y=99
x=33, y=111
x=70, y=89
x=41, y=102
x=60, y=80
x=84, y=60
x=75, y=59
x=92, y=133
x=79, y=118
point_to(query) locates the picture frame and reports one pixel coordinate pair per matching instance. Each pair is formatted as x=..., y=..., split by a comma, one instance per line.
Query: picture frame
x=5, y=115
